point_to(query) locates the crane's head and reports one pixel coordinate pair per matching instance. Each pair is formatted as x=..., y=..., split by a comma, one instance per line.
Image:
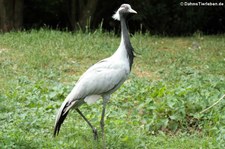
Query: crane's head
x=123, y=11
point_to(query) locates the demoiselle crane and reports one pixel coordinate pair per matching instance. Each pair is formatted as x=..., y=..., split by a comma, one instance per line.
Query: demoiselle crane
x=101, y=79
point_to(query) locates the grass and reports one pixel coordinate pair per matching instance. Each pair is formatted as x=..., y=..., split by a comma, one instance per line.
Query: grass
x=172, y=80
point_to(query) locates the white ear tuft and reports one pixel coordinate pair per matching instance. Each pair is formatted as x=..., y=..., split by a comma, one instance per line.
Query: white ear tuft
x=116, y=16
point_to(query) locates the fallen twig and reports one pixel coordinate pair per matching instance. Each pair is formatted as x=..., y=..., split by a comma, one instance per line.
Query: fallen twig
x=212, y=105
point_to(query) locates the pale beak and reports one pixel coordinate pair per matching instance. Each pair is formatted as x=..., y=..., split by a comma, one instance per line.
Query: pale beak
x=132, y=11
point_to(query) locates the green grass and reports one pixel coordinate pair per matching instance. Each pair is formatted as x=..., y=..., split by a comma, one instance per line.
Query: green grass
x=172, y=80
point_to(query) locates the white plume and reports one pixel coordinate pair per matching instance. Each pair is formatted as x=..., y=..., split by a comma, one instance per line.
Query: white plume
x=116, y=16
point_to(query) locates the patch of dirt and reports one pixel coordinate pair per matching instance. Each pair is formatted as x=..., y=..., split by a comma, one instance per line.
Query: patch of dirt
x=3, y=50
x=144, y=74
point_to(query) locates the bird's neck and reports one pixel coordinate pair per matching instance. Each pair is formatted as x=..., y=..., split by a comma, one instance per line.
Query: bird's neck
x=124, y=33
x=125, y=49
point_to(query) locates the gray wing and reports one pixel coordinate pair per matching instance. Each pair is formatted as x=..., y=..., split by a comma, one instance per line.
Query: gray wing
x=101, y=78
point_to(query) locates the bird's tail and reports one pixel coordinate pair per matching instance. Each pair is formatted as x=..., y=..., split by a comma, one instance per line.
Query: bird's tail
x=62, y=113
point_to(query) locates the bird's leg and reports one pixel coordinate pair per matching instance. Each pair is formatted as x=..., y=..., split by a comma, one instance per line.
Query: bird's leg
x=94, y=130
x=102, y=123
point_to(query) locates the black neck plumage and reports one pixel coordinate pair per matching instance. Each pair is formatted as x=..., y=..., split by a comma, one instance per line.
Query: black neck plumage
x=126, y=40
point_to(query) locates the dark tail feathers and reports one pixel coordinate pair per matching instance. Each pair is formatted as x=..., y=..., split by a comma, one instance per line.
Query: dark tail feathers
x=59, y=120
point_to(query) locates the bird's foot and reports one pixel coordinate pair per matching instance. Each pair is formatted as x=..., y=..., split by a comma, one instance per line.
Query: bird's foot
x=95, y=132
